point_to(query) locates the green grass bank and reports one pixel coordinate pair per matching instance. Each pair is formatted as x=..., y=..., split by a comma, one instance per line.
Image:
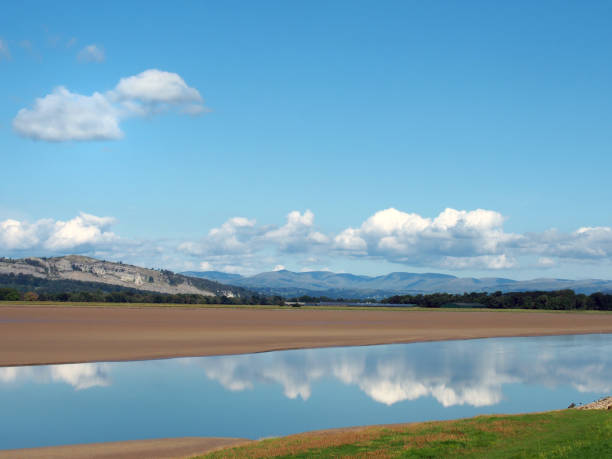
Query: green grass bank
x=557, y=434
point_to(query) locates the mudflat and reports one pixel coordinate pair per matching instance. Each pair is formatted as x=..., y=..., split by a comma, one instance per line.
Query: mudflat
x=54, y=334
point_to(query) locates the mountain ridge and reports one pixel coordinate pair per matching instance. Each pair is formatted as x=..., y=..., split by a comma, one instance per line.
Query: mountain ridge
x=347, y=285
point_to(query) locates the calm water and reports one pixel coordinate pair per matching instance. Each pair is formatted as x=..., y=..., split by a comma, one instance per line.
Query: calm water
x=279, y=393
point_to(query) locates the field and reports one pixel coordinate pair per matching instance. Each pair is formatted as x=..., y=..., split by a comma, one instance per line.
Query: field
x=567, y=433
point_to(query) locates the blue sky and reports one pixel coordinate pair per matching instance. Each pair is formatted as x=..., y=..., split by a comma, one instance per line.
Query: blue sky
x=339, y=111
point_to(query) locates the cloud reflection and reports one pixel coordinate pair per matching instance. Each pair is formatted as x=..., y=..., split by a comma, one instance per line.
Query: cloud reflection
x=453, y=373
x=78, y=375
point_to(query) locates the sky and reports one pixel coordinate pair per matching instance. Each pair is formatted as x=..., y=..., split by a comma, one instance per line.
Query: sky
x=470, y=138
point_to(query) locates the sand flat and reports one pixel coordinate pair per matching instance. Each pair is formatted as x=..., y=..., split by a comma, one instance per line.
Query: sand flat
x=55, y=334
x=164, y=448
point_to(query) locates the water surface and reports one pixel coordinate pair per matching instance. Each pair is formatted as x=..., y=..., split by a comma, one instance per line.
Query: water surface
x=280, y=393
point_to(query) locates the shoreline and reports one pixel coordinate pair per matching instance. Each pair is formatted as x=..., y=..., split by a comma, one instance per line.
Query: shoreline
x=56, y=334
x=157, y=448
x=196, y=447
x=334, y=346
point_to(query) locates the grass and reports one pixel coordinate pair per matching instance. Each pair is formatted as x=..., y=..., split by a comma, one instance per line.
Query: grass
x=566, y=433
x=249, y=306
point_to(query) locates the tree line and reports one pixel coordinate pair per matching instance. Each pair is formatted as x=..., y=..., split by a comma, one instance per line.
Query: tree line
x=558, y=299
x=129, y=296
x=25, y=287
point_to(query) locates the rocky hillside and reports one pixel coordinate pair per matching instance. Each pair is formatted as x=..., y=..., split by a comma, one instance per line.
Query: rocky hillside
x=85, y=269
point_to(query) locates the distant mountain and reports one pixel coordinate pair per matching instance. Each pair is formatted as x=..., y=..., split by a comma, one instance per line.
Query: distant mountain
x=342, y=285
x=217, y=276
x=75, y=273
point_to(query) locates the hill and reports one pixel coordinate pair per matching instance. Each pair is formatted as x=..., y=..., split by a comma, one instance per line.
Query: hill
x=78, y=273
x=344, y=285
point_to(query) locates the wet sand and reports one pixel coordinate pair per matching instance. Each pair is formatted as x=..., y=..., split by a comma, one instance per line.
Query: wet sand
x=55, y=334
x=164, y=448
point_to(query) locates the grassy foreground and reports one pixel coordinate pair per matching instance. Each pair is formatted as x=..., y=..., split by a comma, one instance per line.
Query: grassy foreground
x=566, y=433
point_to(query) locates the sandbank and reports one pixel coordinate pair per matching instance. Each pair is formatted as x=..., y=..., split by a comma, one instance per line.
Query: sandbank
x=32, y=335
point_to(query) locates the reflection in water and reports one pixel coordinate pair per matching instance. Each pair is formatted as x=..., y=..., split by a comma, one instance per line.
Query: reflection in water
x=454, y=373
x=297, y=391
x=78, y=375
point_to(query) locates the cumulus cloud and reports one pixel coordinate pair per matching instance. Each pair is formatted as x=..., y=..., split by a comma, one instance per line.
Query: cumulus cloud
x=4, y=50
x=454, y=240
x=240, y=240
x=82, y=232
x=16, y=235
x=155, y=90
x=297, y=233
x=232, y=237
x=91, y=53
x=587, y=243
x=64, y=115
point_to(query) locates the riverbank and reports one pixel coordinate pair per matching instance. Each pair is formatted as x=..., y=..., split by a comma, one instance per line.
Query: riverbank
x=164, y=448
x=31, y=335
x=565, y=433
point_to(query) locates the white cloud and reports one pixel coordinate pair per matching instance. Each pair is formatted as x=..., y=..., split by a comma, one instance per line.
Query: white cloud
x=455, y=238
x=502, y=261
x=586, y=242
x=298, y=234
x=155, y=88
x=83, y=231
x=241, y=246
x=233, y=237
x=239, y=243
x=546, y=262
x=591, y=244
x=350, y=240
x=279, y=268
x=64, y=115
x=16, y=235
x=206, y=266
x=90, y=53
x=4, y=50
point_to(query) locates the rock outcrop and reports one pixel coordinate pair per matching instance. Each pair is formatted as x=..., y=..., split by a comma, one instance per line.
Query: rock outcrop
x=86, y=269
x=601, y=404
